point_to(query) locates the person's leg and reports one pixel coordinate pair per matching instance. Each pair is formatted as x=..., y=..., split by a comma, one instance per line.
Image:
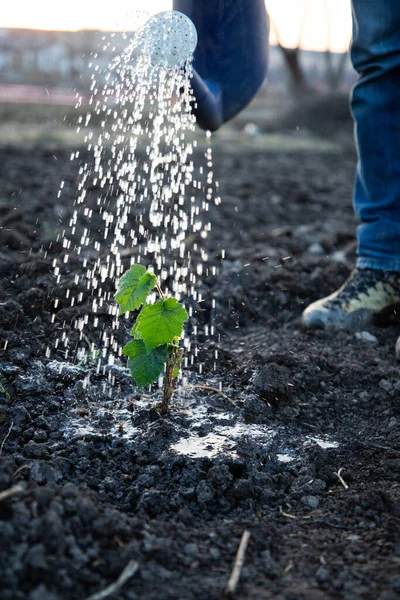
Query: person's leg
x=375, y=54
x=375, y=285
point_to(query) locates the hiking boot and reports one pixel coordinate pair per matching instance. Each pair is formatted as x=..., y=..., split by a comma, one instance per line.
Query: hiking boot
x=366, y=293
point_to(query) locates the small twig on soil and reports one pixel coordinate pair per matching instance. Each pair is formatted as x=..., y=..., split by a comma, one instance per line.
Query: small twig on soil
x=288, y=567
x=126, y=574
x=238, y=564
x=379, y=447
x=16, y=489
x=326, y=524
x=21, y=468
x=6, y=438
x=342, y=481
x=285, y=514
x=207, y=388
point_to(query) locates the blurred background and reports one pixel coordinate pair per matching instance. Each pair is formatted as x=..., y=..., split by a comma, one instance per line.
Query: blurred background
x=46, y=49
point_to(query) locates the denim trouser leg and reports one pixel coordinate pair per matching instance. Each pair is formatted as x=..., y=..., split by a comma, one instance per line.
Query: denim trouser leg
x=375, y=54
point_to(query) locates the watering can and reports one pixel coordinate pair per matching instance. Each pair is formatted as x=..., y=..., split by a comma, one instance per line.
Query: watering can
x=230, y=59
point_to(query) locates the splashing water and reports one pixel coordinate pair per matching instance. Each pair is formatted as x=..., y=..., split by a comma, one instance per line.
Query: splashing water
x=140, y=188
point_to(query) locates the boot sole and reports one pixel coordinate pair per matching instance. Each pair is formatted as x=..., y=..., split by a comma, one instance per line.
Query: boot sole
x=356, y=320
x=319, y=319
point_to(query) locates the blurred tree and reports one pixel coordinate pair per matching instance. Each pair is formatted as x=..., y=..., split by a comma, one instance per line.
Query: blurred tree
x=334, y=69
x=291, y=56
x=335, y=66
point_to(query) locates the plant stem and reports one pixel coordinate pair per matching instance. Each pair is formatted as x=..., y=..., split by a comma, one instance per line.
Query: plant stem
x=169, y=380
x=159, y=290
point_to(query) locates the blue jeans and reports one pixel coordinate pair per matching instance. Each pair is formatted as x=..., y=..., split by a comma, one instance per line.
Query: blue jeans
x=375, y=54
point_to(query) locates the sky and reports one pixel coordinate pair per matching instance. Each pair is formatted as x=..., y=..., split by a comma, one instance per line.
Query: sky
x=327, y=23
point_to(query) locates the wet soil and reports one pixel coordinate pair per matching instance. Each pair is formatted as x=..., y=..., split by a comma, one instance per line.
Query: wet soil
x=308, y=457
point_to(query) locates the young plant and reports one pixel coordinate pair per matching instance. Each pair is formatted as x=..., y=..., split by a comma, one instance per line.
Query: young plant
x=154, y=348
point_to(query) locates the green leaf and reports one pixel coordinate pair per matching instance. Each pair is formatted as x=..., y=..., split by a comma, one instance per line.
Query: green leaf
x=133, y=288
x=145, y=365
x=160, y=323
x=134, y=332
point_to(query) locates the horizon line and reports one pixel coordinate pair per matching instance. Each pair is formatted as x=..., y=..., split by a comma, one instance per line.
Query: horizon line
x=116, y=31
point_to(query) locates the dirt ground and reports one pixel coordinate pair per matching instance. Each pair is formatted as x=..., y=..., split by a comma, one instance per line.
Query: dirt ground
x=308, y=459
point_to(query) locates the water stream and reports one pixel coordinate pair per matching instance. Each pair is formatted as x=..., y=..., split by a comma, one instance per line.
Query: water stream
x=152, y=192
x=148, y=190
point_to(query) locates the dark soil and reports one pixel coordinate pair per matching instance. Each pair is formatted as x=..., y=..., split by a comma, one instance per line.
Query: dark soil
x=97, y=481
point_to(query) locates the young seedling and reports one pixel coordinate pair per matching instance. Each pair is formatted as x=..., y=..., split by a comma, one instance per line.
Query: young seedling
x=154, y=348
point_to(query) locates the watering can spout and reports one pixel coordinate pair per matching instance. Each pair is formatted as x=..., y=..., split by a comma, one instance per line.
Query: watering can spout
x=207, y=107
